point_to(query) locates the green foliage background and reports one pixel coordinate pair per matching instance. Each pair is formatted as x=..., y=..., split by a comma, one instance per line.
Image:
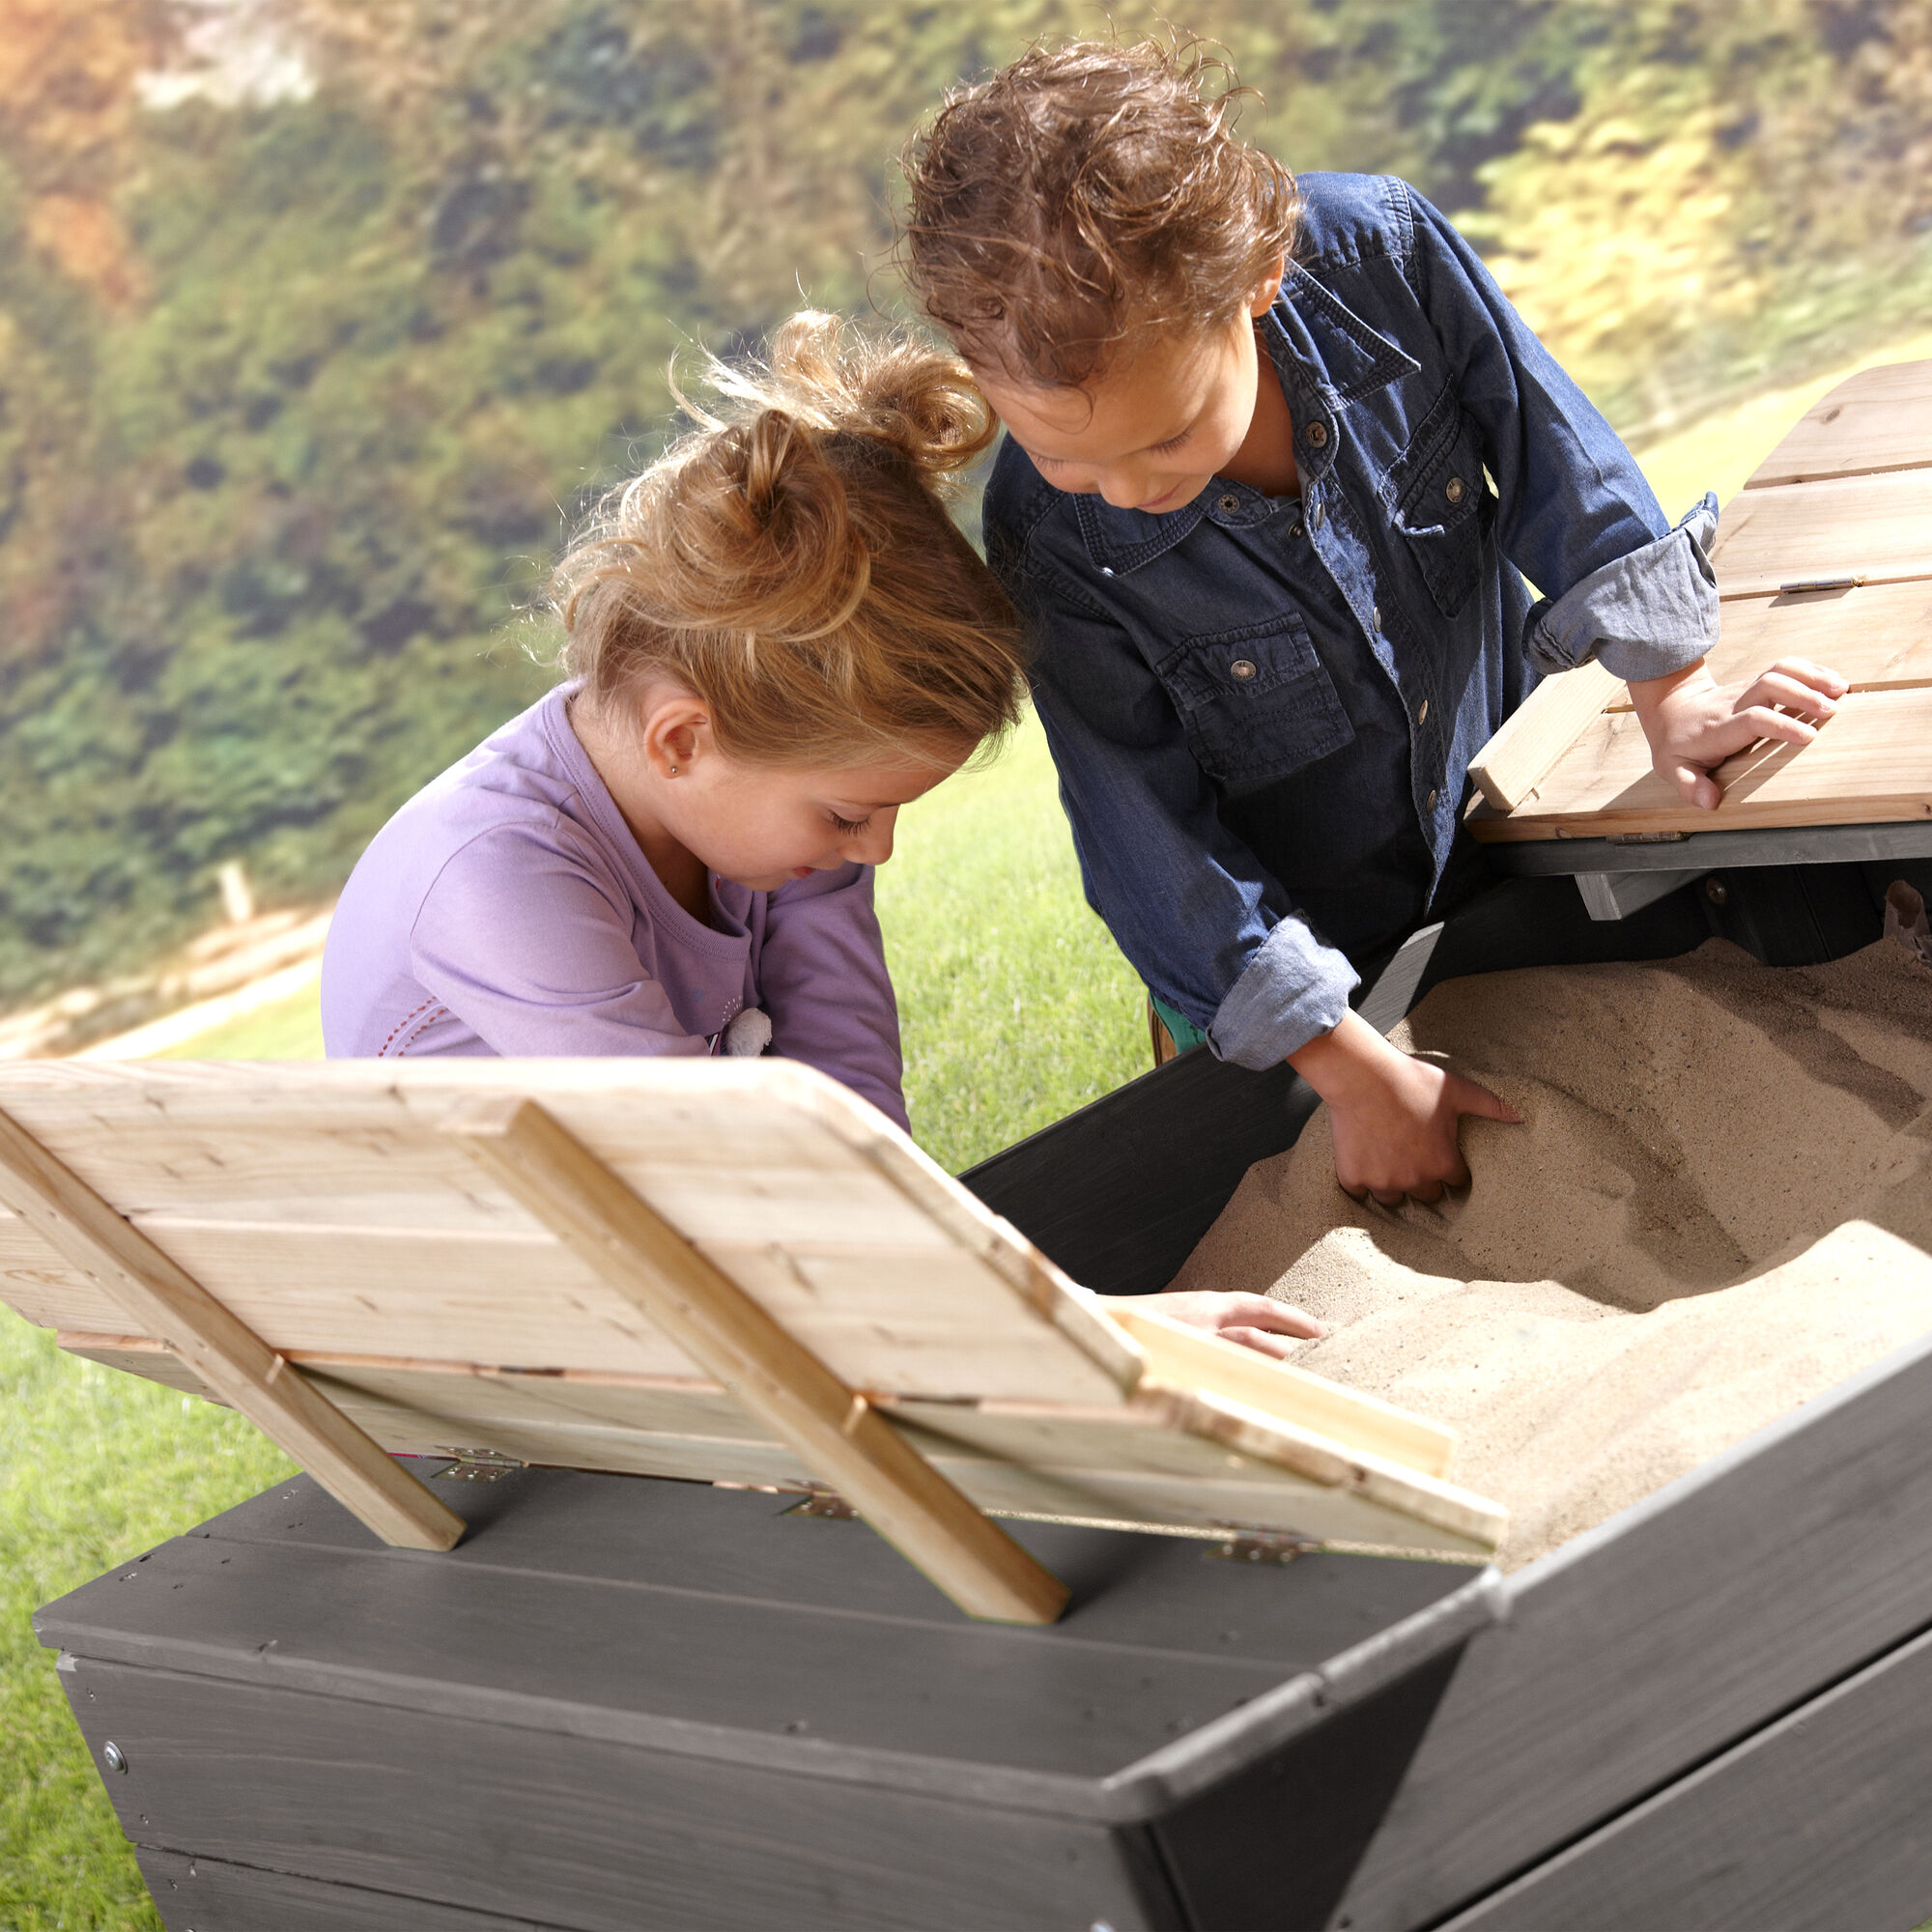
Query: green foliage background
x=301, y=383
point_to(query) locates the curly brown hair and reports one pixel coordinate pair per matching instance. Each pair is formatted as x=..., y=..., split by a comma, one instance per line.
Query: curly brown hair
x=791, y=560
x=1085, y=196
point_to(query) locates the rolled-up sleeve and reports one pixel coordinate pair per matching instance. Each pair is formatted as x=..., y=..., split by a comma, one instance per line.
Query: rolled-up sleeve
x=822, y=979
x=1576, y=516
x=1197, y=914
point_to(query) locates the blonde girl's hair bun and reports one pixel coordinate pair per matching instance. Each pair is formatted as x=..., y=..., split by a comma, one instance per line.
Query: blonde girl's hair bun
x=792, y=561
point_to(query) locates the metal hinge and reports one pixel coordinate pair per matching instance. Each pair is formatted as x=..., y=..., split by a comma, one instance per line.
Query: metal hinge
x=1263, y=1546
x=822, y=1503
x=1646, y=838
x=476, y=1465
x=1803, y=585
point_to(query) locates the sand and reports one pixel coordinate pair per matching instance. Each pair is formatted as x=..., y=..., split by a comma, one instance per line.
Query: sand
x=1719, y=1207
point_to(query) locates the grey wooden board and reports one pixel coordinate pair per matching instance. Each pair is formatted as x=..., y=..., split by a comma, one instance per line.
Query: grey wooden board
x=195, y=1894
x=676, y=1616
x=1713, y=851
x=579, y=1832
x=776, y=1700
x=1662, y=1637
x=1818, y=1822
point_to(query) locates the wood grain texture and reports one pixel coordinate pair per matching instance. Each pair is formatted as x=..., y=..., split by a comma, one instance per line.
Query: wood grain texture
x=1871, y=763
x=1878, y=635
x=835, y=1432
x=1187, y=1357
x=320, y=1205
x=1548, y=722
x=159, y=1296
x=1816, y=1822
x=1876, y=420
x=519, y=1822
x=203, y=1894
x=1161, y=1459
x=1878, y=528
x=1662, y=1637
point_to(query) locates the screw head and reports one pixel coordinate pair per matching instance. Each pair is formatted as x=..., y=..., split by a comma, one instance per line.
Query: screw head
x=1716, y=892
x=115, y=1758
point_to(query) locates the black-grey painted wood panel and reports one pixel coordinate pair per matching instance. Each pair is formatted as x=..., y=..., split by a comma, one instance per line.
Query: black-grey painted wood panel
x=675, y=1616
x=1662, y=1639
x=1820, y=1822
x=212, y=1895
x=579, y=1833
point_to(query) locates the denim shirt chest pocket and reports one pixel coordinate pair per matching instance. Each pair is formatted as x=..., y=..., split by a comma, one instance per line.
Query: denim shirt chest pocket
x=1440, y=497
x=1255, y=703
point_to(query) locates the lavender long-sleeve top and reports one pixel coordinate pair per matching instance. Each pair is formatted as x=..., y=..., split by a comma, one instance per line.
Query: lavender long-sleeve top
x=507, y=909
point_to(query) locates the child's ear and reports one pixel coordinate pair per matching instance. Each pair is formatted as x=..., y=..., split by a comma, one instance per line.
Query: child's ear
x=677, y=736
x=1268, y=288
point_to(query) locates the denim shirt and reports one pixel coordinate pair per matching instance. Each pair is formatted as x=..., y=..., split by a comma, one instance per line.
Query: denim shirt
x=1262, y=709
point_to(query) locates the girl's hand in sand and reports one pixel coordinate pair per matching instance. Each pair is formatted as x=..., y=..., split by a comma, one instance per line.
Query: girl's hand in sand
x=1693, y=725
x=1254, y=1320
x=1393, y=1119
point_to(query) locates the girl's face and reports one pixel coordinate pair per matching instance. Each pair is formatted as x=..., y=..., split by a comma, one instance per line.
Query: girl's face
x=691, y=805
x=763, y=825
x=1154, y=429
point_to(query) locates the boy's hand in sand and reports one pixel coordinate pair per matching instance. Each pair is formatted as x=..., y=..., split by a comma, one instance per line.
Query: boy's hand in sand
x=1694, y=724
x=1394, y=1119
x=1254, y=1320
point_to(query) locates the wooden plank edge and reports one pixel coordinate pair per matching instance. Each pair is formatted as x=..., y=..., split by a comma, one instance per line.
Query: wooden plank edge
x=838, y=1435
x=1045, y=1287
x=1546, y=723
x=89, y=1233
x=1192, y=1358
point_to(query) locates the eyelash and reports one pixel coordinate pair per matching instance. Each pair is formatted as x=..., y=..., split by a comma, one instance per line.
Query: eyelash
x=1172, y=442
x=850, y=827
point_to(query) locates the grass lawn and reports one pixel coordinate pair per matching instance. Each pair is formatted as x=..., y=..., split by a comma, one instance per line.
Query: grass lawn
x=1016, y=1008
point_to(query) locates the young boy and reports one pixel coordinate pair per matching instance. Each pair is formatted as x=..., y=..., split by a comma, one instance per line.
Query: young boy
x=1280, y=456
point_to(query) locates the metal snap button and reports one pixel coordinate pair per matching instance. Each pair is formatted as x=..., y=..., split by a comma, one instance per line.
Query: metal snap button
x=1230, y=504
x=1375, y=615
x=1429, y=801
x=1106, y=570
x=1317, y=516
x=1243, y=668
x=1294, y=529
x=1455, y=489
x=1316, y=435
x=1422, y=715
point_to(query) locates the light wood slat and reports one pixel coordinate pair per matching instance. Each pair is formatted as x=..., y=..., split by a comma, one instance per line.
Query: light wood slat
x=48, y=1289
x=1871, y=764
x=161, y=1297
x=1191, y=1359
x=1878, y=528
x=1552, y=718
x=839, y=1434
x=1879, y=636
x=914, y=1323
x=1165, y=1458
x=1876, y=420
x=823, y=1229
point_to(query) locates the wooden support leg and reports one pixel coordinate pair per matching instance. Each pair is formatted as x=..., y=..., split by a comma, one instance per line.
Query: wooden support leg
x=163, y=1301
x=836, y=1433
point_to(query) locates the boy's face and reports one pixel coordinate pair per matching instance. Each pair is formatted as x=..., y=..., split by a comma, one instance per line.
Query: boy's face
x=1154, y=428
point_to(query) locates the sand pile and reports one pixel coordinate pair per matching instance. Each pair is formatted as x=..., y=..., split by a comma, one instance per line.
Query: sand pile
x=1720, y=1206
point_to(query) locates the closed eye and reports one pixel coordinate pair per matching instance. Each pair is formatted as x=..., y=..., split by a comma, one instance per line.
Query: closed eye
x=1172, y=442
x=849, y=826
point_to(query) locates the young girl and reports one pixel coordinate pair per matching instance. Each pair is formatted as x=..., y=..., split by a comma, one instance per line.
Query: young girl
x=1280, y=459
x=776, y=637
